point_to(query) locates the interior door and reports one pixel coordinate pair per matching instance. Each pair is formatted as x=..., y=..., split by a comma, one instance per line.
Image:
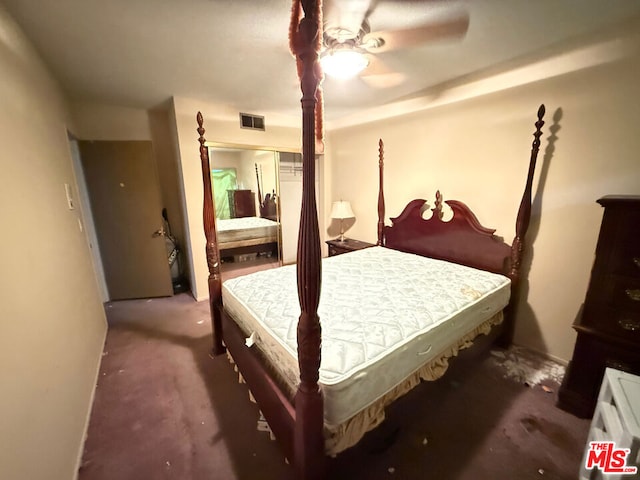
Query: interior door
x=127, y=210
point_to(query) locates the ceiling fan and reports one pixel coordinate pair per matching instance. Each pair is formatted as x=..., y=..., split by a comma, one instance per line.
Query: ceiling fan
x=351, y=47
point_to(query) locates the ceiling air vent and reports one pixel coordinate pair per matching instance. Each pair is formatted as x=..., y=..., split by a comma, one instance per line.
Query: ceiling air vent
x=254, y=122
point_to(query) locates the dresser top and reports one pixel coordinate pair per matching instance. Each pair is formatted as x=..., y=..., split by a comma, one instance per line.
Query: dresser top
x=618, y=199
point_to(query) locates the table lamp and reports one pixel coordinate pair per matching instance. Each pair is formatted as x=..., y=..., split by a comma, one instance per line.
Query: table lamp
x=341, y=210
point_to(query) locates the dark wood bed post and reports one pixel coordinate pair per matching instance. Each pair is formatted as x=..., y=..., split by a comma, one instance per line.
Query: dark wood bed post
x=522, y=225
x=213, y=255
x=309, y=425
x=380, y=193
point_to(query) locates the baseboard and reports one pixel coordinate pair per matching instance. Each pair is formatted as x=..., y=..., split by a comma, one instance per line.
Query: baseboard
x=90, y=409
x=545, y=355
x=559, y=360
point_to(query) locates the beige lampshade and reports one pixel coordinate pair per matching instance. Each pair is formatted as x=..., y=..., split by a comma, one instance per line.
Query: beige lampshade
x=341, y=210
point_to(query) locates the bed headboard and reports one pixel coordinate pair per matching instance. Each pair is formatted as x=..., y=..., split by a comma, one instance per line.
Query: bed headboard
x=462, y=239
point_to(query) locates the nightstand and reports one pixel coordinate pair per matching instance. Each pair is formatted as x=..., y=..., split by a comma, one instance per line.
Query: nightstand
x=336, y=247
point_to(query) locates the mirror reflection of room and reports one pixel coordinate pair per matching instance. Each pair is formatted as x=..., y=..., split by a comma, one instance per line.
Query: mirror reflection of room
x=245, y=190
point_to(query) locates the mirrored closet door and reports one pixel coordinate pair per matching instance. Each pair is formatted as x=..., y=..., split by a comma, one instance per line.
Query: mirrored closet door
x=290, y=197
x=246, y=197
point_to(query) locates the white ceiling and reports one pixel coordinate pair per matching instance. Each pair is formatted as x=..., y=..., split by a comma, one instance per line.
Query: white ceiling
x=139, y=53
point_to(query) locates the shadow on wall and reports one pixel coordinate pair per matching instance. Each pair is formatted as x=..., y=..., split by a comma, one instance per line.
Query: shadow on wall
x=527, y=324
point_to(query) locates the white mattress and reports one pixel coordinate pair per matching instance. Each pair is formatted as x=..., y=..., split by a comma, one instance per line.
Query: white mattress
x=245, y=228
x=383, y=313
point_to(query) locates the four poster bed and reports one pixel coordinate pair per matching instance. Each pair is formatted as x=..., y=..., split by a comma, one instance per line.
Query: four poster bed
x=424, y=292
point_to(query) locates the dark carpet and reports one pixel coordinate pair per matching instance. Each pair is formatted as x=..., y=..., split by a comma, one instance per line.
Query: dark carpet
x=165, y=409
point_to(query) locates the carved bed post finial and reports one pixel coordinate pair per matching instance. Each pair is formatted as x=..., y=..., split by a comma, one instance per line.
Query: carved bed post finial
x=309, y=404
x=437, y=209
x=213, y=255
x=381, y=211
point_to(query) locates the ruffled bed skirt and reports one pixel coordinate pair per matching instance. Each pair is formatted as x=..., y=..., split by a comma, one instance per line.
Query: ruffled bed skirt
x=347, y=434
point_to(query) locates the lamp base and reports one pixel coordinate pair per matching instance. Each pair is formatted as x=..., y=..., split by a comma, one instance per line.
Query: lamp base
x=341, y=237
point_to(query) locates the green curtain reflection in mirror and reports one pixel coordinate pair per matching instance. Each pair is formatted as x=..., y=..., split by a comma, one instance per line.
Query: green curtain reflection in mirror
x=223, y=179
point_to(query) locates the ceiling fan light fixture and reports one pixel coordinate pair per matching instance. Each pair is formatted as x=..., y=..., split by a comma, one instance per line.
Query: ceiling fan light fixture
x=343, y=62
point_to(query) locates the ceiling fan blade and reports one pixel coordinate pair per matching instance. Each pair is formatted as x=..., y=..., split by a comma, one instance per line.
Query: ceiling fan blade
x=412, y=37
x=376, y=67
x=384, y=81
x=345, y=18
x=378, y=75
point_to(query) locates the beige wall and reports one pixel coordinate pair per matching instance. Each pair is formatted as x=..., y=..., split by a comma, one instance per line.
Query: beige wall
x=96, y=121
x=52, y=325
x=219, y=130
x=477, y=149
x=160, y=122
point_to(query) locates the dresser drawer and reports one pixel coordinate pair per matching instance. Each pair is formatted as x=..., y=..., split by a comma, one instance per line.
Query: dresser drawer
x=618, y=290
x=619, y=250
x=626, y=293
x=592, y=355
x=625, y=258
x=623, y=324
x=333, y=250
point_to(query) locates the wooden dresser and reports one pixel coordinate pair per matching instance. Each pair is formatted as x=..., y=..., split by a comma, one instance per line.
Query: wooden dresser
x=609, y=325
x=336, y=247
x=242, y=203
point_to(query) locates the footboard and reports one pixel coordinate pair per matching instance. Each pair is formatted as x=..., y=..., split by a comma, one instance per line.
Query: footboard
x=272, y=401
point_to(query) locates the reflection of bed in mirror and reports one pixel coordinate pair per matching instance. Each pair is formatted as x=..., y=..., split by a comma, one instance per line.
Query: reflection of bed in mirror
x=245, y=189
x=237, y=236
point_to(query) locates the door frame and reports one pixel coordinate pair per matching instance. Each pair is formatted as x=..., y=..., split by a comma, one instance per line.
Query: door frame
x=87, y=217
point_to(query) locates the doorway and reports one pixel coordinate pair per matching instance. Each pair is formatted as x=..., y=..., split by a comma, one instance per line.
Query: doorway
x=127, y=211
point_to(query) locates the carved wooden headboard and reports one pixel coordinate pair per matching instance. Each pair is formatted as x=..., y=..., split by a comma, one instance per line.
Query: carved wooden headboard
x=462, y=239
